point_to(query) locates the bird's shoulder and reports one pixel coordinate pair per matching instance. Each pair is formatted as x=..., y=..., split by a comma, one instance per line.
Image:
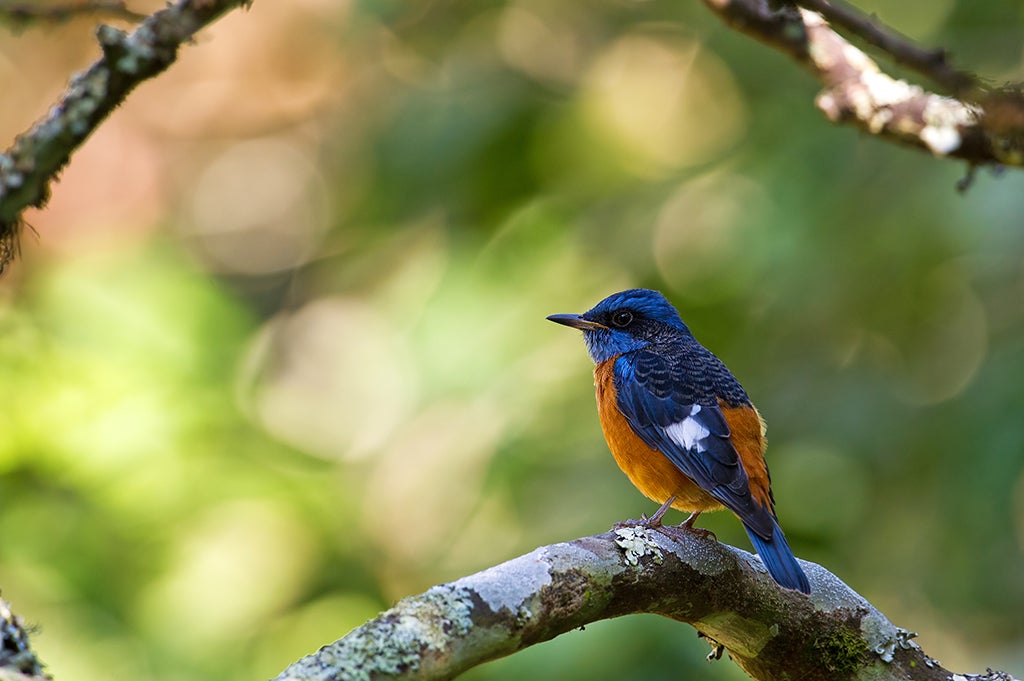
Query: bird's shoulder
x=682, y=370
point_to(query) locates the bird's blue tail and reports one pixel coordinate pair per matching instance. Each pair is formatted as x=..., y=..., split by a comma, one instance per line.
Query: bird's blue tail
x=779, y=559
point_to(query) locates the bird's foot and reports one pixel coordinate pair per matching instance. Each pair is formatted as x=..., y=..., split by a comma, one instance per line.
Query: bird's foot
x=688, y=524
x=700, y=532
x=686, y=527
x=652, y=523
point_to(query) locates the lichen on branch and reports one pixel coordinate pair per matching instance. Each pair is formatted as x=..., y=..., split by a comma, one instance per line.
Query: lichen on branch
x=725, y=593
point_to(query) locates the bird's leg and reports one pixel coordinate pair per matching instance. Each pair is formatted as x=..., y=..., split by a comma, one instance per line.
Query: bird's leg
x=688, y=524
x=679, y=532
x=654, y=522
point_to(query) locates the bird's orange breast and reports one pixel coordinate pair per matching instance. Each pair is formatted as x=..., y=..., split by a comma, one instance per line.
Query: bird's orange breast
x=649, y=470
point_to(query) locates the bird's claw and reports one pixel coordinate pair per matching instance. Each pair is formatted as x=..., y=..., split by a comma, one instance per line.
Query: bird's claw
x=699, y=531
x=649, y=523
x=652, y=523
x=684, y=531
x=675, y=532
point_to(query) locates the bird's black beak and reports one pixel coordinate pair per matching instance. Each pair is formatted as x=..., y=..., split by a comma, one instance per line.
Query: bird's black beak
x=575, y=321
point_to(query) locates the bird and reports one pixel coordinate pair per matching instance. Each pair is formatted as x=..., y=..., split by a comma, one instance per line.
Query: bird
x=679, y=424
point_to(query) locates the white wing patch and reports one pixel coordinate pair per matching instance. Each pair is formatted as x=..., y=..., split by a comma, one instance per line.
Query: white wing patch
x=689, y=432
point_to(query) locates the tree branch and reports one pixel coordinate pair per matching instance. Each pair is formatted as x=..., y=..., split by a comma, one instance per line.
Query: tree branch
x=932, y=63
x=17, y=660
x=987, y=130
x=725, y=593
x=21, y=14
x=28, y=167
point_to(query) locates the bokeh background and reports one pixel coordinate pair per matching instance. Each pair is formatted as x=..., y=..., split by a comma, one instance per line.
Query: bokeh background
x=276, y=356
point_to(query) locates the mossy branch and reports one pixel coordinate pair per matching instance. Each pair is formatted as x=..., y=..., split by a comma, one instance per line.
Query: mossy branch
x=32, y=163
x=725, y=593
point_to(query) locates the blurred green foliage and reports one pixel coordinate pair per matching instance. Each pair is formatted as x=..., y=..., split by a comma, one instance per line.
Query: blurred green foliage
x=318, y=377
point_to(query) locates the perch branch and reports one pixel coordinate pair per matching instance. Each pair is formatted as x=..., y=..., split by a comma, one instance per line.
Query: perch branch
x=724, y=592
x=28, y=167
x=988, y=130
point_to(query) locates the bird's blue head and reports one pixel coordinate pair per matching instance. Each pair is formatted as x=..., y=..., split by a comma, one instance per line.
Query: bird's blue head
x=625, y=321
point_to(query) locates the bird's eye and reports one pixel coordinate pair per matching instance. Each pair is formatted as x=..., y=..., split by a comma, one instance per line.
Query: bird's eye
x=622, y=319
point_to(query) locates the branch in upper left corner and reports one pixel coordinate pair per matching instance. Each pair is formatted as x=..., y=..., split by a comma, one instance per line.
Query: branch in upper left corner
x=22, y=14
x=29, y=166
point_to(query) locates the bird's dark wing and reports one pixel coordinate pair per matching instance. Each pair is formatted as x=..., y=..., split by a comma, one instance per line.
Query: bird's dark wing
x=657, y=396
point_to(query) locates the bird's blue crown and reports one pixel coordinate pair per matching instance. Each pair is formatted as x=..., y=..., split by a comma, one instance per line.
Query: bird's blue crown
x=651, y=318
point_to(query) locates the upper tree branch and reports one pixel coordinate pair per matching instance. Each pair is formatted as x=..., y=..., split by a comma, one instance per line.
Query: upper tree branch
x=987, y=130
x=771, y=633
x=930, y=62
x=28, y=167
x=21, y=14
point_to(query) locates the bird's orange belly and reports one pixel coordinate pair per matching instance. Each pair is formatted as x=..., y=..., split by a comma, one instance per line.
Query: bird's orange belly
x=649, y=470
